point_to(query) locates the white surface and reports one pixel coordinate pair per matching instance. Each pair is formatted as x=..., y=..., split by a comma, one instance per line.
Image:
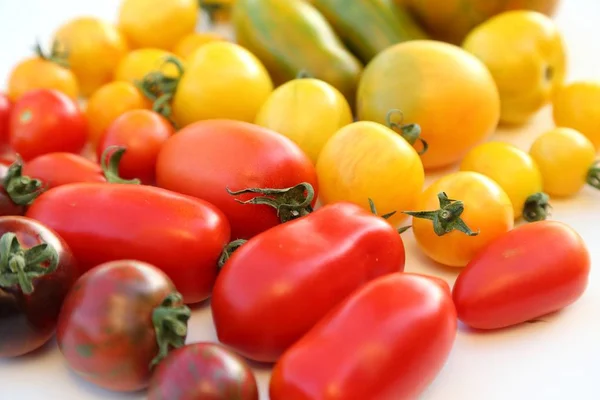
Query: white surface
x=559, y=359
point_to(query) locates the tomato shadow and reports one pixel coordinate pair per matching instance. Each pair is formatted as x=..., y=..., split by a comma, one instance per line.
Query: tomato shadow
x=45, y=350
x=100, y=393
x=544, y=319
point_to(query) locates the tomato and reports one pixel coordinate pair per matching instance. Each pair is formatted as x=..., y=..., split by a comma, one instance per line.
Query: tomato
x=43, y=71
x=109, y=102
x=206, y=371
x=192, y=42
x=142, y=133
x=473, y=212
x=308, y=111
x=139, y=63
x=56, y=169
x=577, y=105
x=516, y=173
x=276, y=286
x=566, y=159
x=44, y=121
x=30, y=303
x=156, y=23
x=118, y=320
x=5, y=109
x=387, y=340
x=181, y=235
x=94, y=48
x=531, y=271
x=364, y=161
x=208, y=158
x=16, y=190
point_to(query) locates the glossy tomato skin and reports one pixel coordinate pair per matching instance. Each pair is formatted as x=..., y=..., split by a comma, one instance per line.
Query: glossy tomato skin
x=276, y=286
x=105, y=329
x=207, y=157
x=387, y=341
x=181, y=235
x=44, y=121
x=7, y=205
x=61, y=168
x=531, y=271
x=5, y=108
x=28, y=321
x=207, y=371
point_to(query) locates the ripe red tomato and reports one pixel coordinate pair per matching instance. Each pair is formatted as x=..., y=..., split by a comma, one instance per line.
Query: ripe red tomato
x=29, y=307
x=45, y=121
x=16, y=191
x=206, y=158
x=5, y=108
x=386, y=341
x=276, y=286
x=181, y=235
x=142, y=133
x=206, y=371
x=119, y=320
x=61, y=168
x=530, y=271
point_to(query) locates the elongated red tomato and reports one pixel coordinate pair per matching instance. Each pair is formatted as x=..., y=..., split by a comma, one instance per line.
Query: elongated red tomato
x=386, y=341
x=206, y=158
x=56, y=169
x=276, y=286
x=181, y=235
x=530, y=271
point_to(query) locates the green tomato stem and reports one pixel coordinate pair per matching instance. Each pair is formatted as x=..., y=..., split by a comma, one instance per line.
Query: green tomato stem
x=593, y=175
x=160, y=88
x=110, y=160
x=22, y=190
x=537, y=207
x=170, y=325
x=228, y=251
x=410, y=132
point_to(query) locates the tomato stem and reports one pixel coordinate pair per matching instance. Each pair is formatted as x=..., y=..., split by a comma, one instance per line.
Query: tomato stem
x=447, y=218
x=22, y=190
x=410, y=132
x=228, y=251
x=160, y=88
x=304, y=74
x=593, y=175
x=213, y=10
x=56, y=55
x=374, y=210
x=537, y=207
x=290, y=203
x=170, y=325
x=110, y=160
x=19, y=266
x=403, y=229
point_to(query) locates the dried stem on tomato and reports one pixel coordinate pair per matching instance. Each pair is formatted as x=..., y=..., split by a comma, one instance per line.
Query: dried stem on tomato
x=228, y=251
x=110, y=160
x=22, y=190
x=537, y=207
x=410, y=132
x=170, y=324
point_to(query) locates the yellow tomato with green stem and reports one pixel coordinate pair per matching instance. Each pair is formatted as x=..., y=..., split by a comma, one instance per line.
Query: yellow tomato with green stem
x=567, y=160
x=458, y=215
x=137, y=64
x=516, y=172
x=367, y=160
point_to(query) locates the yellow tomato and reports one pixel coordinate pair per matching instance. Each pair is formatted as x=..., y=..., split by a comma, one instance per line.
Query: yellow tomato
x=308, y=111
x=566, y=159
x=192, y=42
x=108, y=103
x=526, y=55
x=366, y=160
x=94, y=49
x=138, y=63
x=221, y=80
x=577, y=106
x=486, y=211
x=157, y=23
x=516, y=173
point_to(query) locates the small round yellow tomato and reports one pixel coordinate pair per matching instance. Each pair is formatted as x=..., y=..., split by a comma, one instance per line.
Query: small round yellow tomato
x=192, y=42
x=94, y=49
x=157, y=23
x=138, y=63
x=221, y=80
x=577, y=106
x=486, y=210
x=308, y=111
x=566, y=159
x=108, y=103
x=366, y=160
x=516, y=173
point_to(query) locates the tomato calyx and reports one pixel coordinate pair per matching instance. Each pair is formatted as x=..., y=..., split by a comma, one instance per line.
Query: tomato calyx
x=22, y=190
x=593, y=175
x=228, y=251
x=290, y=203
x=56, y=55
x=400, y=230
x=212, y=10
x=537, y=207
x=304, y=74
x=110, y=160
x=19, y=266
x=170, y=325
x=447, y=218
x=410, y=132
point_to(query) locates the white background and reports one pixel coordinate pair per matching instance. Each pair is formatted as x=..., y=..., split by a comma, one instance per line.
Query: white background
x=558, y=359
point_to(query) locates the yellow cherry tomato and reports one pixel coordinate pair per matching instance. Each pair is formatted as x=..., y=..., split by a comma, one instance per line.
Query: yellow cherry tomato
x=94, y=48
x=516, y=173
x=157, y=23
x=566, y=159
x=366, y=160
x=525, y=53
x=308, y=111
x=138, y=63
x=577, y=106
x=221, y=80
x=108, y=103
x=192, y=42
x=474, y=204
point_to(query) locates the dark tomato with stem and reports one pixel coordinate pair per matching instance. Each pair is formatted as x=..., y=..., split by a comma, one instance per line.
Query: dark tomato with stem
x=203, y=371
x=16, y=191
x=46, y=121
x=37, y=270
x=5, y=108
